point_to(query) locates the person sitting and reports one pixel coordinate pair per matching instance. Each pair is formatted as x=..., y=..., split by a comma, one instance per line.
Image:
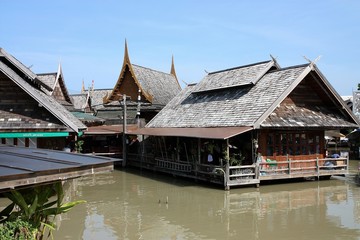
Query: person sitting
x=210, y=158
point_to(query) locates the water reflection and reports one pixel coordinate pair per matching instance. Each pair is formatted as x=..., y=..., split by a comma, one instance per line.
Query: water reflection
x=142, y=205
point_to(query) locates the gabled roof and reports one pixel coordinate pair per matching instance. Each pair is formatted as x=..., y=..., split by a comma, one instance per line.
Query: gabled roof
x=21, y=69
x=235, y=77
x=160, y=87
x=29, y=83
x=156, y=87
x=97, y=97
x=250, y=104
x=52, y=80
x=329, y=110
x=93, y=97
x=80, y=101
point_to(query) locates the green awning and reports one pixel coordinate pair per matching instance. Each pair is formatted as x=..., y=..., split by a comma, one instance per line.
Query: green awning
x=33, y=134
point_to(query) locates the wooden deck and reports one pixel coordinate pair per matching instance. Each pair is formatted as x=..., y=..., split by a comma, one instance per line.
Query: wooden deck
x=236, y=176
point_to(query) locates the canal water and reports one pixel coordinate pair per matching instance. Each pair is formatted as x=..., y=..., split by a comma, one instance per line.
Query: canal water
x=136, y=204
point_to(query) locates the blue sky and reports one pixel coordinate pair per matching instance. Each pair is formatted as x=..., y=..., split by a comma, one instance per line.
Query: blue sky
x=88, y=37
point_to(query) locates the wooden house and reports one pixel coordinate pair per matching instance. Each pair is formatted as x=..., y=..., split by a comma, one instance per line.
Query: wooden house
x=55, y=87
x=248, y=124
x=149, y=88
x=147, y=91
x=29, y=114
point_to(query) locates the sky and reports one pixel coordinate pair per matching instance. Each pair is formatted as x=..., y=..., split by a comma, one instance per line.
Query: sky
x=88, y=37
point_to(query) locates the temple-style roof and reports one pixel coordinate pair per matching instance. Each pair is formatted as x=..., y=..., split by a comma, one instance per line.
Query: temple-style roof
x=97, y=97
x=56, y=87
x=80, y=101
x=260, y=95
x=24, y=104
x=155, y=87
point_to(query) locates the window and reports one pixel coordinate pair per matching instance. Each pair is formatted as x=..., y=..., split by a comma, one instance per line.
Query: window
x=290, y=143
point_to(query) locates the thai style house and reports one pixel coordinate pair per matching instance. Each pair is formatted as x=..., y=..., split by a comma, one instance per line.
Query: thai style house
x=149, y=88
x=30, y=116
x=141, y=91
x=248, y=124
x=55, y=86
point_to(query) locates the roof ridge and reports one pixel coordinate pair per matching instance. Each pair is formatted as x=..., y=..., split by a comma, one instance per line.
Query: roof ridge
x=101, y=89
x=290, y=67
x=243, y=66
x=152, y=69
x=50, y=73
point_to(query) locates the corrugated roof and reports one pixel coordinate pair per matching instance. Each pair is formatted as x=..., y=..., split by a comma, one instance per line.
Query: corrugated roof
x=21, y=166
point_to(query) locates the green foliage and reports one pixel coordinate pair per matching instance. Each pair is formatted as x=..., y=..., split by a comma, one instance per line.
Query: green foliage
x=235, y=159
x=37, y=207
x=78, y=145
x=18, y=229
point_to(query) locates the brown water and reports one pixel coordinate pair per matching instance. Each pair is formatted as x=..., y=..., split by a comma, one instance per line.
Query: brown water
x=142, y=205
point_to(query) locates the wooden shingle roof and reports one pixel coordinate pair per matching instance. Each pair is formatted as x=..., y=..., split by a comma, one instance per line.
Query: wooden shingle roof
x=56, y=116
x=155, y=87
x=252, y=104
x=56, y=87
x=79, y=101
x=234, y=77
x=162, y=87
x=97, y=97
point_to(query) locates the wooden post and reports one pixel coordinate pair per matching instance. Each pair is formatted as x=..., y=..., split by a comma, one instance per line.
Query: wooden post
x=257, y=173
x=124, y=131
x=199, y=157
x=226, y=176
x=177, y=149
x=289, y=162
x=227, y=169
x=317, y=168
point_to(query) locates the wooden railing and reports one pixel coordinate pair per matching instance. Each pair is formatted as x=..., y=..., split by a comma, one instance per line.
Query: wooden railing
x=171, y=165
x=241, y=175
x=303, y=168
x=248, y=174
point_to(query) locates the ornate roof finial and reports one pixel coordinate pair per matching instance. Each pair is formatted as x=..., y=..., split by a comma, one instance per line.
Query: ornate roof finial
x=312, y=63
x=126, y=54
x=83, y=87
x=172, y=70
